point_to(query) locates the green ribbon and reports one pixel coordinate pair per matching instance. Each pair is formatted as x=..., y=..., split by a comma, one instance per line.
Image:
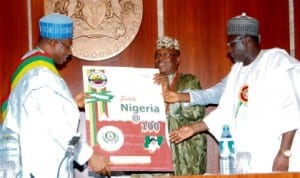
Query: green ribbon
x=103, y=96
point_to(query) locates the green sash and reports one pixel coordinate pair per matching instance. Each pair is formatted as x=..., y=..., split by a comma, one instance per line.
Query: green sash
x=26, y=65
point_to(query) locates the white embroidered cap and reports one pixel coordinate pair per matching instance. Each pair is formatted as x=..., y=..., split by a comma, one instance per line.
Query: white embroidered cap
x=167, y=42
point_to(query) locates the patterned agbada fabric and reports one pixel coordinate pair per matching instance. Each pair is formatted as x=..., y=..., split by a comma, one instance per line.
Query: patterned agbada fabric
x=189, y=156
x=36, y=60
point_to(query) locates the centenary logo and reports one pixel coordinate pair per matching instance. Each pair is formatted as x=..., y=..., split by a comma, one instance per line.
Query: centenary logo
x=97, y=79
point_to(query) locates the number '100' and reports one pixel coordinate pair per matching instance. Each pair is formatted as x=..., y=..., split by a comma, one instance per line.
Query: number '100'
x=150, y=126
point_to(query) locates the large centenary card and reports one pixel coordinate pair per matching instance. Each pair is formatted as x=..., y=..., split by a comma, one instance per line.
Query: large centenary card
x=125, y=118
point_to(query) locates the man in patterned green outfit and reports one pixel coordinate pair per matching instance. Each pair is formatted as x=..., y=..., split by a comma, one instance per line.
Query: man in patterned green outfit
x=189, y=157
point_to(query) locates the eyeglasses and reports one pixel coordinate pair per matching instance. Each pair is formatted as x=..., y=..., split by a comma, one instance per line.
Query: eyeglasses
x=164, y=55
x=230, y=43
x=70, y=48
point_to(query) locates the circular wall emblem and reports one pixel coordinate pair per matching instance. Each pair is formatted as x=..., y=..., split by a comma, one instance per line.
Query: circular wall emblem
x=97, y=79
x=110, y=138
x=102, y=28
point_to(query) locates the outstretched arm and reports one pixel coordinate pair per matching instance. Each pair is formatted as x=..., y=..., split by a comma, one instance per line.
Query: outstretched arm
x=187, y=131
x=211, y=95
x=197, y=96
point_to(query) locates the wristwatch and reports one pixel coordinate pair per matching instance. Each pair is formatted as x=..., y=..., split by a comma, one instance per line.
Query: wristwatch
x=286, y=153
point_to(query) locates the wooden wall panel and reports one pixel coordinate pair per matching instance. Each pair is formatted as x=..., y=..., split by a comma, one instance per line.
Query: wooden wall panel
x=297, y=28
x=37, y=11
x=200, y=31
x=13, y=39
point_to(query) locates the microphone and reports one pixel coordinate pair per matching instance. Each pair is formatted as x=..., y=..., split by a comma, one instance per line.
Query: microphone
x=69, y=155
x=72, y=143
x=75, y=139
